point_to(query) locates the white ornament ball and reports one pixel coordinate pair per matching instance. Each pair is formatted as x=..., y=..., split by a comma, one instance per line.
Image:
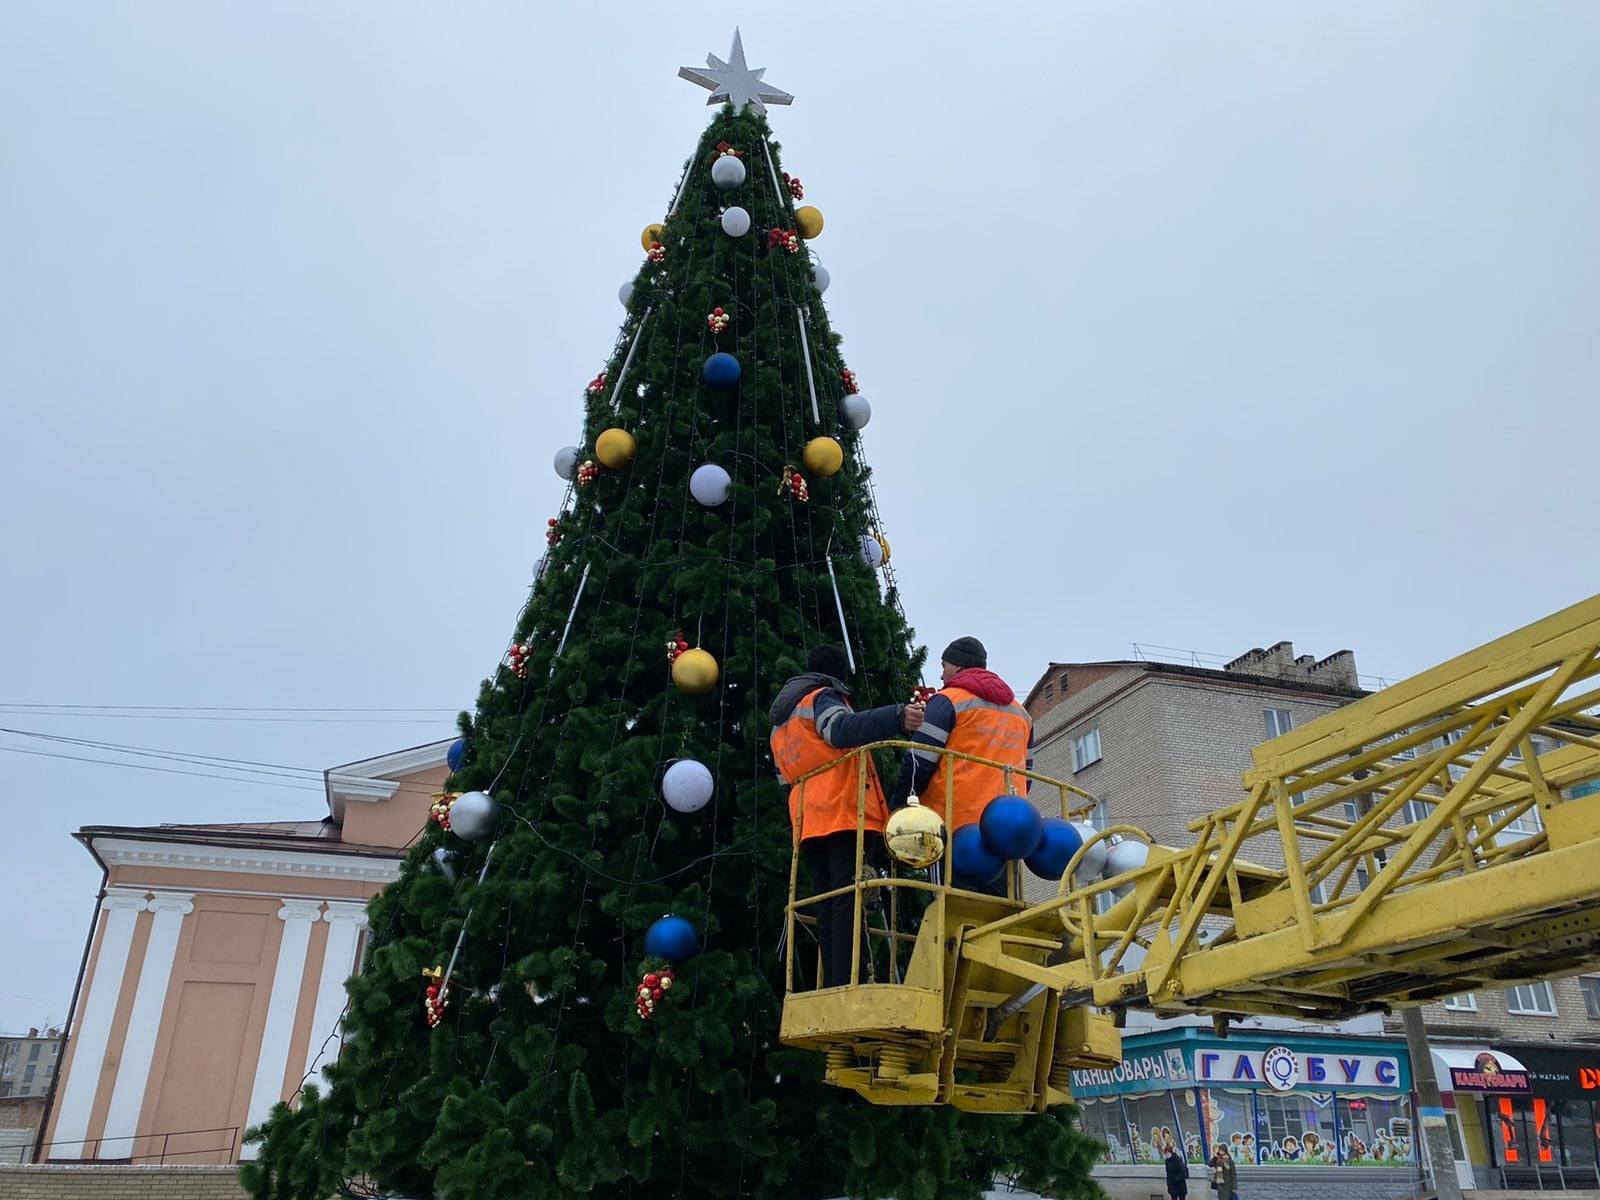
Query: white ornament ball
x=473, y=815
x=872, y=552
x=1125, y=856
x=820, y=277
x=735, y=222
x=1094, y=858
x=855, y=411
x=709, y=484
x=625, y=293
x=687, y=786
x=727, y=172
x=567, y=461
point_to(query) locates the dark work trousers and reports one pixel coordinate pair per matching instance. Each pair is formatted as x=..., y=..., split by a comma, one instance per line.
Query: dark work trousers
x=831, y=862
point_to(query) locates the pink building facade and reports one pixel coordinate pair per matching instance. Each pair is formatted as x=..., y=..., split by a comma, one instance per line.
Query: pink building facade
x=214, y=979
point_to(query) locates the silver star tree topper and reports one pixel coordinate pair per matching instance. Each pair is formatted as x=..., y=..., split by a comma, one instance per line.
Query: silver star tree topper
x=735, y=82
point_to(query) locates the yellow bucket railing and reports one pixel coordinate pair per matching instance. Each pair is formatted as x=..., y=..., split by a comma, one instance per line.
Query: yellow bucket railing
x=1075, y=805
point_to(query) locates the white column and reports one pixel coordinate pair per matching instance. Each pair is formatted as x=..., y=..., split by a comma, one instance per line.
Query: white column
x=122, y=908
x=297, y=917
x=144, y=1023
x=345, y=921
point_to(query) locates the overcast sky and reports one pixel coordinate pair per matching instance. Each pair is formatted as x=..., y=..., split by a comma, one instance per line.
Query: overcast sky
x=1197, y=325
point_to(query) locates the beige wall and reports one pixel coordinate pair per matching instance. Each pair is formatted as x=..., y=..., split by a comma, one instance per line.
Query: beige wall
x=396, y=820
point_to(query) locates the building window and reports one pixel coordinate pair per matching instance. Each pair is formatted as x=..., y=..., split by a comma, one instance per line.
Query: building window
x=1465, y=1002
x=1085, y=749
x=1531, y=1000
x=1279, y=721
x=1591, y=995
x=33, y=1052
x=27, y=1073
x=1418, y=811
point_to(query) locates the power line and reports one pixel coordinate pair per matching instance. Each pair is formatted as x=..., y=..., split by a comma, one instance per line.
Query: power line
x=101, y=762
x=223, y=707
x=185, y=716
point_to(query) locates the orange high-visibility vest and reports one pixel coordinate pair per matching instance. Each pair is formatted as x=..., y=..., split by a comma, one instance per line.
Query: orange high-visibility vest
x=829, y=798
x=994, y=731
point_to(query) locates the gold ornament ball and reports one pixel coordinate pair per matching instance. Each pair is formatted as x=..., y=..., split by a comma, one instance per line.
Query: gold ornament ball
x=652, y=233
x=694, y=672
x=823, y=456
x=915, y=836
x=614, y=448
x=808, y=221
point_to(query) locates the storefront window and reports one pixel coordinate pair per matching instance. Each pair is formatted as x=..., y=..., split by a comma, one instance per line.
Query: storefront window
x=1150, y=1126
x=1509, y=1121
x=1229, y=1122
x=1576, y=1124
x=1102, y=1119
x=1296, y=1128
x=1376, y=1130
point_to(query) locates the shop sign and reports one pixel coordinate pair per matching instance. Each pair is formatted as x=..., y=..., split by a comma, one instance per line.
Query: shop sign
x=1569, y=1073
x=1487, y=1075
x=1282, y=1068
x=1156, y=1070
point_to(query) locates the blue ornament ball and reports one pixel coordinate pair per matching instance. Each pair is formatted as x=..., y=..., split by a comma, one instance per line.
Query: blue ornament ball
x=721, y=370
x=671, y=938
x=973, y=865
x=1012, y=828
x=1056, y=848
x=454, y=755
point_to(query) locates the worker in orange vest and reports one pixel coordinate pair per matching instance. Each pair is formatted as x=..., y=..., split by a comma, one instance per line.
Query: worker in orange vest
x=975, y=712
x=813, y=724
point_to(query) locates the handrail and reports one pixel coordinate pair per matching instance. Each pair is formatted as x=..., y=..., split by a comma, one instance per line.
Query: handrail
x=40, y=1155
x=861, y=759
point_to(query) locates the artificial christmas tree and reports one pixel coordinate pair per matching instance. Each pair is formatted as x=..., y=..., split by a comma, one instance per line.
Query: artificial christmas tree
x=584, y=1000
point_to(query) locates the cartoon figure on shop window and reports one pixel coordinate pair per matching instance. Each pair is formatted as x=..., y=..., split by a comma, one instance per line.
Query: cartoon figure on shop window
x=1289, y=1150
x=1316, y=1150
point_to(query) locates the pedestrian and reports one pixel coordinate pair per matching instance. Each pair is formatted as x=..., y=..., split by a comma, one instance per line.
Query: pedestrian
x=1224, y=1174
x=1177, y=1173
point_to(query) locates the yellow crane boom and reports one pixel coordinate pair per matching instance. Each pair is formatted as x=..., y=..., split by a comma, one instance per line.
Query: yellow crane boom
x=1429, y=839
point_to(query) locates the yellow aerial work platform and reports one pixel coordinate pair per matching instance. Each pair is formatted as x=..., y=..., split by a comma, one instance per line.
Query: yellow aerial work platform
x=991, y=1001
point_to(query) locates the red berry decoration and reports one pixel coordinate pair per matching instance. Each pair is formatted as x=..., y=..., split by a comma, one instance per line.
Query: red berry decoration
x=921, y=694
x=518, y=657
x=783, y=239
x=588, y=471
x=657, y=253
x=439, y=810
x=793, y=484
x=848, y=378
x=675, y=647
x=597, y=384
x=792, y=182
x=650, y=991
x=717, y=321
x=552, y=534
x=437, y=998
x=724, y=148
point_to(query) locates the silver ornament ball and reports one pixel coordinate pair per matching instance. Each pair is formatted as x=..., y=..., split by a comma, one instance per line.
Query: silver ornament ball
x=445, y=862
x=855, y=412
x=735, y=222
x=473, y=816
x=687, y=786
x=820, y=277
x=727, y=172
x=625, y=293
x=566, y=461
x=872, y=552
x=709, y=484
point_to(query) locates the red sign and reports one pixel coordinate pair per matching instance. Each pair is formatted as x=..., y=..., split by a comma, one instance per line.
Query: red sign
x=1486, y=1075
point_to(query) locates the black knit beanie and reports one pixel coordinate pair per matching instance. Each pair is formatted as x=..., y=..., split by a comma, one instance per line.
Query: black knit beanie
x=829, y=660
x=966, y=652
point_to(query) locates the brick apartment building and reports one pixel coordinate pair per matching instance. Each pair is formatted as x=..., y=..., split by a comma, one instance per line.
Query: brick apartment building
x=1160, y=744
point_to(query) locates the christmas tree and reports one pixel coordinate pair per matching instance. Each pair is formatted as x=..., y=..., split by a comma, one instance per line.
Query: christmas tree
x=511, y=1033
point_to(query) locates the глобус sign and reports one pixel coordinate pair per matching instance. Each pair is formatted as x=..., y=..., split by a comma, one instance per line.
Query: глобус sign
x=1487, y=1075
